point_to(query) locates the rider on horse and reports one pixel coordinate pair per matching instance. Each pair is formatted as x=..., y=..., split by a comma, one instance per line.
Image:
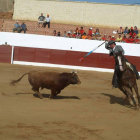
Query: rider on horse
x=113, y=49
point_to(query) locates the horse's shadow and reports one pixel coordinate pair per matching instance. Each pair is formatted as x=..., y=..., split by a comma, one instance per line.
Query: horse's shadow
x=47, y=96
x=118, y=100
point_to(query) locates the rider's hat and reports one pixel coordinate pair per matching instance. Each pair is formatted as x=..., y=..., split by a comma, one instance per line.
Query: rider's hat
x=111, y=42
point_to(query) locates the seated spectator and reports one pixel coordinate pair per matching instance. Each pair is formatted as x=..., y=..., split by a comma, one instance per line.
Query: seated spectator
x=81, y=31
x=84, y=36
x=90, y=31
x=126, y=30
x=65, y=34
x=137, y=40
x=120, y=30
x=17, y=27
x=22, y=28
x=77, y=31
x=78, y=35
x=89, y=37
x=109, y=38
x=47, y=21
x=104, y=37
x=136, y=30
x=54, y=33
x=139, y=35
x=113, y=38
x=130, y=40
x=59, y=34
x=97, y=32
x=41, y=20
x=132, y=33
x=119, y=39
x=124, y=39
x=69, y=34
x=74, y=35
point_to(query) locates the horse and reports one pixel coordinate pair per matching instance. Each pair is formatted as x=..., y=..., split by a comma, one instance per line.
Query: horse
x=127, y=80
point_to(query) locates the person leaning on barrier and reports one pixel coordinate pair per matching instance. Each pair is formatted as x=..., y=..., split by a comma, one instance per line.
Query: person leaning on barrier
x=113, y=49
x=17, y=26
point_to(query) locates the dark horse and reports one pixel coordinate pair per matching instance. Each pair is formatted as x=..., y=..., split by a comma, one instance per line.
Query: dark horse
x=127, y=80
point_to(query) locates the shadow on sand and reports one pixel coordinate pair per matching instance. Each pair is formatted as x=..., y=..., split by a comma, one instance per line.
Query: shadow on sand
x=118, y=100
x=47, y=96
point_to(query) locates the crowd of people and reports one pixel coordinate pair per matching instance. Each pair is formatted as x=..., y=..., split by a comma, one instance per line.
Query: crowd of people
x=125, y=35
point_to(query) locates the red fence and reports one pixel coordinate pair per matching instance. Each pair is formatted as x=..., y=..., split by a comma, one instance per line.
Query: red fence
x=5, y=53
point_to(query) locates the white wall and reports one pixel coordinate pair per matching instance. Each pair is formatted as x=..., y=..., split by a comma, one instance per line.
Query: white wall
x=62, y=43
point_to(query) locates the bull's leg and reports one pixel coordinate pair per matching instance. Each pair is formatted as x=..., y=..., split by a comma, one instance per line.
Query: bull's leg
x=133, y=97
x=137, y=92
x=53, y=93
x=36, y=90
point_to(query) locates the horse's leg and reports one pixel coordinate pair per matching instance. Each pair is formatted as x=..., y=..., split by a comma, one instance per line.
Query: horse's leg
x=128, y=98
x=133, y=97
x=137, y=92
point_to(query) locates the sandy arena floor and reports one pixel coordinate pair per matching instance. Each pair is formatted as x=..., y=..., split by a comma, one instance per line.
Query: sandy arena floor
x=90, y=111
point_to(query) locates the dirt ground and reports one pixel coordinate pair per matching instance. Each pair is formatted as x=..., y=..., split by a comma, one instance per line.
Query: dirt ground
x=89, y=111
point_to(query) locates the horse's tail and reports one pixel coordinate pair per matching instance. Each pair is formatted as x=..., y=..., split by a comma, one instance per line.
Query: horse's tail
x=16, y=81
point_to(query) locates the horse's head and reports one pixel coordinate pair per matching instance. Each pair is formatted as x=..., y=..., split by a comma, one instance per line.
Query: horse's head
x=120, y=61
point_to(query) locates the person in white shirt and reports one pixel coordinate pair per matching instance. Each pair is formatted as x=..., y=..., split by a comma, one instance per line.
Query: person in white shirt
x=47, y=21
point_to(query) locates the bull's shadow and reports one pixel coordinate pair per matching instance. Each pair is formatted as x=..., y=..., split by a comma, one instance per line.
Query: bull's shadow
x=56, y=97
x=118, y=100
x=47, y=96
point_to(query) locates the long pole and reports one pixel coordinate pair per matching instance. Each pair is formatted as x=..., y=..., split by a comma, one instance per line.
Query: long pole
x=91, y=51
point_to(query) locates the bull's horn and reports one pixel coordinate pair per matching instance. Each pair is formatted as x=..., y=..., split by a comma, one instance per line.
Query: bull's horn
x=72, y=71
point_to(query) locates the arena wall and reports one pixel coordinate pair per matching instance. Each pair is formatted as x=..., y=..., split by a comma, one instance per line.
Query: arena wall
x=63, y=52
x=78, y=13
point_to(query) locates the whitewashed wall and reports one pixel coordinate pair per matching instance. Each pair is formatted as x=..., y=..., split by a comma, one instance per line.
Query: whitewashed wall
x=80, y=13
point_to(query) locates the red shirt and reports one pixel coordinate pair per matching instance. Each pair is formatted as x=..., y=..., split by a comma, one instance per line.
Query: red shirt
x=132, y=34
x=90, y=32
x=113, y=38
x=130, y=40
x=136, y=40
x=81, y=32
x=124, y=39
x=74, y=35
x=104, y=38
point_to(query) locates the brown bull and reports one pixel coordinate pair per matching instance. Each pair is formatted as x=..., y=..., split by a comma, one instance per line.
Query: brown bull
x=50, y=80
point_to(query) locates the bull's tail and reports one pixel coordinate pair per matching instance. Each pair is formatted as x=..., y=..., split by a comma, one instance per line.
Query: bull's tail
x=16, y=81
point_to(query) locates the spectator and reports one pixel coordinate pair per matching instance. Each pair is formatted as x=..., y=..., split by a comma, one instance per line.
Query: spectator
x=47, y=21
x=41, y=20
x=77, y=30
x=139, y=35
x=84, y=36
x=113, y=38
x=22, y=28
x=130, y=40
x=137, y=40
x=65, y=34
x=104, y=37
x=59, y=34
x=119, y=39
x=97, y=32
x=126, y=30
x=17, y=26
x=69, y=34
x=109, y=38
x=136, y=30
x=120, y=30
x=90, y=31
x=54, y=32
x=124, y=39
x=74, y=35
x=81, y=31
x=132, y=33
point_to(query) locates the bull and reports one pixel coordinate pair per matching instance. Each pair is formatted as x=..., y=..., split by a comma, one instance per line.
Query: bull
x=49, y=80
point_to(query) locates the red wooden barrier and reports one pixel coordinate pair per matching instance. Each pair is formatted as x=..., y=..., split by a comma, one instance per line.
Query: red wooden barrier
x=5, y=53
